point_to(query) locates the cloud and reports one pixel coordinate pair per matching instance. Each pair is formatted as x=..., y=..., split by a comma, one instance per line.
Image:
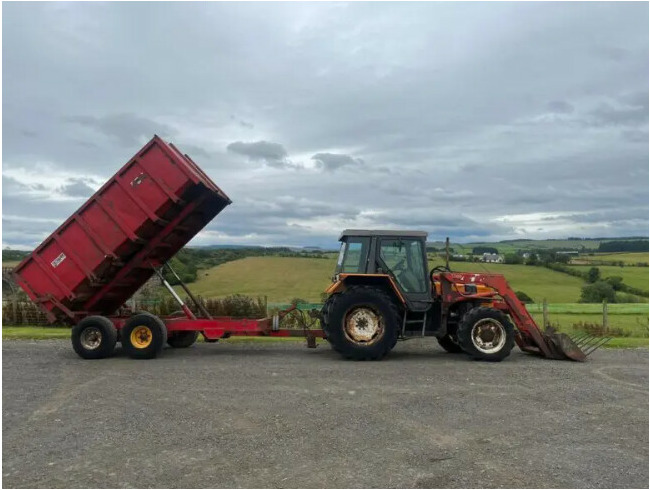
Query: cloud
x=560, y=107
x=608, y=114
x=439, y=116
x=126, y=128
x=273, y=154
x=333, y=161
x=77, y=188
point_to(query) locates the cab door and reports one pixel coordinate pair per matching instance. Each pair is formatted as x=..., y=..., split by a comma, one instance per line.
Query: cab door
x=405, y=260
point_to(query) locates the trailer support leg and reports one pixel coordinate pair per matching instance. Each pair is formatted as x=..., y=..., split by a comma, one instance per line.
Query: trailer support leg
x=196, y=302
x=178, y=299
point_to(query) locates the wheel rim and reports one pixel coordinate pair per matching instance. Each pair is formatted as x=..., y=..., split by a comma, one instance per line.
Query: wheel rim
x=91, y=338
x=488, y=335
x=141, y=337
x=363, y=325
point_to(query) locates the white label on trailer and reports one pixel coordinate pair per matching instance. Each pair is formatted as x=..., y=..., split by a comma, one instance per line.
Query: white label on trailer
x=58, y=260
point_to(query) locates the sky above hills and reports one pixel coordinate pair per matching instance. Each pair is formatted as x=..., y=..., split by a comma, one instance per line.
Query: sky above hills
x=480, y=122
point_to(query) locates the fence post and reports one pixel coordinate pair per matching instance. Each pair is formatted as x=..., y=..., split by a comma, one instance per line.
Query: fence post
x=266, y=305
x=14, y=310
x=605, y=319
x=545, y=313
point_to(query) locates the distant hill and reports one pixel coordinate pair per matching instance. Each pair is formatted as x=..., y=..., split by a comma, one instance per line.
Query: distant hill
x=513, y=246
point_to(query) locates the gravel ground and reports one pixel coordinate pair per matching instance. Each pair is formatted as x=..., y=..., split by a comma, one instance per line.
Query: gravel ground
x=280, y=415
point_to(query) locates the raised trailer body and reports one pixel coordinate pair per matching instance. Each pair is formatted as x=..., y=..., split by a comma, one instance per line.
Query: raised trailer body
x=140, y=218
x=114, y=243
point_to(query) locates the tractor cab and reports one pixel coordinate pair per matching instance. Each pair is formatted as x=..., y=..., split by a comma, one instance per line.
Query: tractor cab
x=398, y=255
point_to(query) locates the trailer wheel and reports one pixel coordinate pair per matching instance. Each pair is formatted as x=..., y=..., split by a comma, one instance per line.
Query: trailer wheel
x=450, y=345
x=181, y=340
x=143, y=336
x=486, y=334
x=362, y=323
x=94, y=337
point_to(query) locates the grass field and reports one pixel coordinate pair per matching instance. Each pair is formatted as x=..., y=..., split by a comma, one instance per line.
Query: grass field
x=279, y=278
x=283, y=278
x=627, y=258
x=10, y=263
x=637, y=277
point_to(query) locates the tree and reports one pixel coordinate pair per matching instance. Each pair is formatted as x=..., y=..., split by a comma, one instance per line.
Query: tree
x=562, y=258
x=533, y=259
x=616, y=282
x=513, y=259
x=597, y=292
x=593, y=275
x=624, y=246
x=484, y=250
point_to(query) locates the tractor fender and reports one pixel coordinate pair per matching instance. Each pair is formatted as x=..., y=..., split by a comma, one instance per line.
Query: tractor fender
x=385, y=281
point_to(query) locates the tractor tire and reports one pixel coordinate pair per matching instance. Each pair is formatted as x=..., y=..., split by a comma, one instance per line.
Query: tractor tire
x=94, y=337
x=450, y=345
x=180, y=340
x=143, y=336
x=486, y=334
x=362, y=323
x=324, y=315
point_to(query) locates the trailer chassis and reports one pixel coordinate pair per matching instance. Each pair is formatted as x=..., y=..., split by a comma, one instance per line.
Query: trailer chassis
x=215, y=328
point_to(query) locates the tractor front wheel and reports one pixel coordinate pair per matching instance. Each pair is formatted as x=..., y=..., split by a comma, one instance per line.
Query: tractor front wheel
x=486, y=334
x=449, y=344
x=362, y=323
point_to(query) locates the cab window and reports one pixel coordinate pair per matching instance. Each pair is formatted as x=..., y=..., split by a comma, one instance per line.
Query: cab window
x=404, y=259
x=354, y=255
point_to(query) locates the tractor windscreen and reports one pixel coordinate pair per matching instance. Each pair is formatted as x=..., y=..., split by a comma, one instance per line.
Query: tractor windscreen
x=353, y=256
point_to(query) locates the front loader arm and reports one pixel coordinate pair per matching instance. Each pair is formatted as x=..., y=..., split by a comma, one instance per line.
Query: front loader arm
x=530, y=338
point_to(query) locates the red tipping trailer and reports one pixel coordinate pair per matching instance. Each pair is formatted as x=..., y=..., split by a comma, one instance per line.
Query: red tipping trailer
x=102, y=254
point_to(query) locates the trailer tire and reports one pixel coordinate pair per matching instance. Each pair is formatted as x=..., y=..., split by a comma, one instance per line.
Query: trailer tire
x=143, y=336
x=362, y=323
x=449, y=344
x=94, y=337
x=493, y=344
x=180, y=340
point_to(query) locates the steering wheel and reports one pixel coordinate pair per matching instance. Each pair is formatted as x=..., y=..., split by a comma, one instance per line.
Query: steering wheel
x=439, y=268
x=399, y=267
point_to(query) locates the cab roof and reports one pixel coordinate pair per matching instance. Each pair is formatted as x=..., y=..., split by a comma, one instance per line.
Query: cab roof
x=389, y=233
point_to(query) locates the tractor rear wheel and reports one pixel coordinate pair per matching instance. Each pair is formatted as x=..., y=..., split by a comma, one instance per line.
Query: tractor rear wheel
x=94, y=337
x=180, y=340
x=362, y=323
x=450, y=345
x=324, y=315
x=486, y=334
x=143, y=336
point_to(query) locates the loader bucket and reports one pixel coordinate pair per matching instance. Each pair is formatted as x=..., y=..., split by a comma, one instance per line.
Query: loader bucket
x=563, y=347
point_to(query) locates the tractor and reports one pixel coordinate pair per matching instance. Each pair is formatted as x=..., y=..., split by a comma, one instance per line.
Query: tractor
x=382, y=292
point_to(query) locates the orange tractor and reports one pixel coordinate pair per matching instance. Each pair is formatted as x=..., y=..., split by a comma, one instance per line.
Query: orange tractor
x=382, y=293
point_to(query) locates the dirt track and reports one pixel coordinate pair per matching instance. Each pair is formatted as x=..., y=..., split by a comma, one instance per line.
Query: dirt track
x=280, y=415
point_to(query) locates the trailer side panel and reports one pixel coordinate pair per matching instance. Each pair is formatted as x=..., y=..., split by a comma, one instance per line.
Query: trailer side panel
x=107, y=249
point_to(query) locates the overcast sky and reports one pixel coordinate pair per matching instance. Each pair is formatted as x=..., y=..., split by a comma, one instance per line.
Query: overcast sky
x=474, y=121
